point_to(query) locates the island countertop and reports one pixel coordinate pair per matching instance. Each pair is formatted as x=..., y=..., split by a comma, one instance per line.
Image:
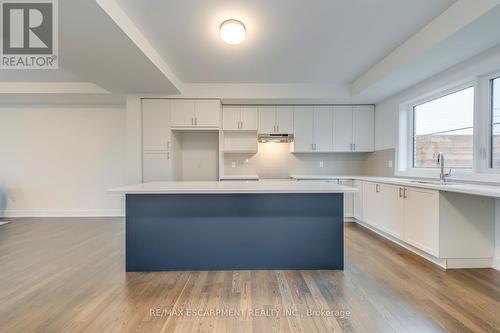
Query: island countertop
x=261, y=186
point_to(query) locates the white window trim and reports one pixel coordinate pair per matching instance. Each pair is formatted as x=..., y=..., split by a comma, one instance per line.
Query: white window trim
x=485, y=100
x=481, y=171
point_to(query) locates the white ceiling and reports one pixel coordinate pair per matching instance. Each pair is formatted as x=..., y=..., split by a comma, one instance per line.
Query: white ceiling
x=296, y=51
x=288, y=41
x=92, y=48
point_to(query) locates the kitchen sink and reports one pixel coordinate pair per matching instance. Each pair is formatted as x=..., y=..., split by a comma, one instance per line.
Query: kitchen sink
x=429, y=182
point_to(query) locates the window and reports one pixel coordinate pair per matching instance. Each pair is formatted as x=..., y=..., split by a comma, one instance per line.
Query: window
x=445, y=124
x=495, y=123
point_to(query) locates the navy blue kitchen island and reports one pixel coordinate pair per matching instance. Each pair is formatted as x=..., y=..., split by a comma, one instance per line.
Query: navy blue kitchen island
x=234, y=226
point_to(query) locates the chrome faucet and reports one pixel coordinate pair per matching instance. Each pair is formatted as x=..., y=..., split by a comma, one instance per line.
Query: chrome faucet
x=442, y=175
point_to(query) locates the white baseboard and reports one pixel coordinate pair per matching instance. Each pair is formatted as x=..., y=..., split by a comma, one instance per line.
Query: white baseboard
x=495, y=264
x=448, y=263
x=65, y=213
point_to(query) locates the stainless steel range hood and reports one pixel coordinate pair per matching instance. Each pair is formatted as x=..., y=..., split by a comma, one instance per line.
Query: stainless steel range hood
x=275, y=137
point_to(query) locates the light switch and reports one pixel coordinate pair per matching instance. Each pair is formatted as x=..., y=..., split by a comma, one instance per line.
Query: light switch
x=233, y=164
x=389, y=164
x=321, y=164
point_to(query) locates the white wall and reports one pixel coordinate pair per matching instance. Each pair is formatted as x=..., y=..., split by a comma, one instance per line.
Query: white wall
x=199, y=155
x=274, y=160
x=59, y=161
x=387, y=112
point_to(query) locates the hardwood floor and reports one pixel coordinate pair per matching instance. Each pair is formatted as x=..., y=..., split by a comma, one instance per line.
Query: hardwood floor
x=67, y=275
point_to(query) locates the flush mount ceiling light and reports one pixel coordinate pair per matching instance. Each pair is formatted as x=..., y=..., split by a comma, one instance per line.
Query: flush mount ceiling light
x=232, y=32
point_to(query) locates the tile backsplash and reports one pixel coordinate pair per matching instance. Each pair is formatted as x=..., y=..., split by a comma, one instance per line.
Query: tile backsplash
x=274, y=160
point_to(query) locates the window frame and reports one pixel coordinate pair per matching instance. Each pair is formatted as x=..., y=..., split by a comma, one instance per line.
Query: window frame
x=405, y=151
x=446, y=93
x=489, y=140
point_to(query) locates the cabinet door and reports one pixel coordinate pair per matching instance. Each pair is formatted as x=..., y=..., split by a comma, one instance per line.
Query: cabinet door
x=364, y=128
x=323, y=129
x=371, y=205
x=267, y=119
x=421, y=219
x=303, y=128
x=231, y=118
x=249, y=118
x=390, y=216
x=155, y=124
x=348, y=199
x=358, y=200
x=207, y=113
x=182, y=113
x=284, y=119
x=156, y=166
x=342, y=128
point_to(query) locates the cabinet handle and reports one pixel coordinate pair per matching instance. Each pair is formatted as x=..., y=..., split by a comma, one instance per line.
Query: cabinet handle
x=192, y=121
x=241, y=125
x=400, y=192
x=354, y=146
x=377, y=188
x=350, y=145
x=312, y=146
x=405, y=193
x=168, y=155
x=196, y=120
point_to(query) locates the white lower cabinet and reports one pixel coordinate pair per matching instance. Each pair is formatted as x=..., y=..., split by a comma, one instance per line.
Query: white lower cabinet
x=421, y=219
x=348, y=198
x=446, y=225
x=358, y=200
x=407, y=214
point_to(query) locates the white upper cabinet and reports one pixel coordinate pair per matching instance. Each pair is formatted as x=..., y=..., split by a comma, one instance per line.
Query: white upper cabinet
x=275, y=119
x=303, y=129
x=155, y=125
x=363, y=128
x=353, y=128
x=249, y=118
x=342, y=128
x=267, y=119
x=182, y=113
x=323, y=129
x=312, y=129
x=195, y=113
x=237, y=118
x=284, y=119
x=231, y=117
x=207, y=113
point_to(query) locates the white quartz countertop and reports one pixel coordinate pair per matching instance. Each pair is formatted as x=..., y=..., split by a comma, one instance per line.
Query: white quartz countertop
x=261, y=186
x=458, y=187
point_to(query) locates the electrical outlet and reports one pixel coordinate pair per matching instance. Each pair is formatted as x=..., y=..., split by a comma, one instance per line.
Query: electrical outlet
x=389, y=164
x=321, y=164
x=233, y=164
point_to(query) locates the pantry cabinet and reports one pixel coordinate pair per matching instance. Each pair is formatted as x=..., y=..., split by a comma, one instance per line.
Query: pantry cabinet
x=156, y=140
